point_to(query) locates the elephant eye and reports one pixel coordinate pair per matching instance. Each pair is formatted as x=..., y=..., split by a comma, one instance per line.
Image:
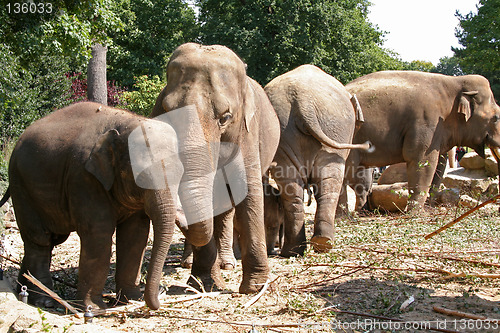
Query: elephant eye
x=226, y=117
x=494, y=119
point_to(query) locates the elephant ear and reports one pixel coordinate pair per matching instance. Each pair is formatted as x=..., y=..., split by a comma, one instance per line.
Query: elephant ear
x=249, y=104
x=101, y=160
x=465, y=106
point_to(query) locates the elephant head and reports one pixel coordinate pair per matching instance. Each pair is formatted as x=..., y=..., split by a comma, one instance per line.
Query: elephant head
x=477, y=107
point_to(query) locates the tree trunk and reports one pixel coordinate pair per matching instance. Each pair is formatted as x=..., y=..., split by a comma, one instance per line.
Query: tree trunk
x=96, y=77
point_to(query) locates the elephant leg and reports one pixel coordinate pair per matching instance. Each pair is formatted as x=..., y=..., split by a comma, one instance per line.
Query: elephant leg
x=223, y=233
x=131, y=239
x=420, y=174
x=249, y=223
x=363, y=187
x=437, y=179
x=343, y=205
x=236, y=244
x=36, y=261
x=292, y=195
x=206, y=268
x=328, y=178
x=95, y=254
x=187, y=255
x=38, y=245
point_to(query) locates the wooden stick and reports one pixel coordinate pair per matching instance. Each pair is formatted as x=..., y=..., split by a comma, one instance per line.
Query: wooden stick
x=259, y=295
x=463, y=314
x=467, y=213
x=52, y=294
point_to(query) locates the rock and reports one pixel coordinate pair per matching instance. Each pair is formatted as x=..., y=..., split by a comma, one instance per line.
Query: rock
x=490, y=165
x=467, y=201
x=474, y=182
x=20, y=317
x=448, y=197
x=395, y=173
x=472, y=161
x=389, y=197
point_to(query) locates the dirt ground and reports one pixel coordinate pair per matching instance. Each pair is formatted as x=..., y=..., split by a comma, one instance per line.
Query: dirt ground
x=378, y=264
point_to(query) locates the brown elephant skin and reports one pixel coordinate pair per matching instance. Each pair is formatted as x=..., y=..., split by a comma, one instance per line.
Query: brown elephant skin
x=415, y=117
x=72, y=171
x=232, y=108
x=317, y=118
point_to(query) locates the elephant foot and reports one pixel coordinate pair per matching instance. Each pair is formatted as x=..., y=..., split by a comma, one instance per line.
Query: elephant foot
x=127, y=294
x=43, y=302
x=187, y=262
x=227, y=266
x=95, y=302
x=228, y=262
x=253, y=285
x=208, y=281
x=321, y=244
x=294, y=251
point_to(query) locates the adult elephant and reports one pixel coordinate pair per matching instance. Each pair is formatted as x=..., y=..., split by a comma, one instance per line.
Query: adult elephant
x=317, y=117
x=94, y=169
x=233, y=109
x=415, y=117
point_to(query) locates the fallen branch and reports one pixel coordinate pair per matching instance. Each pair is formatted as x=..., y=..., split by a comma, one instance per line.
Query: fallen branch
x=52, y=294
x=467, y=213
x=11, y=260
x=259, y=295
x=463, y=314
x=479, y=275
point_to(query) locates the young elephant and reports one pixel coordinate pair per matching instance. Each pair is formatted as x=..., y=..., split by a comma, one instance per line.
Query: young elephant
x=318, y=118
x=72, y=171
x=414, y=117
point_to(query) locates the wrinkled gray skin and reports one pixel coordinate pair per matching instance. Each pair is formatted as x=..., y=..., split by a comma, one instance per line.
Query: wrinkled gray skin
x=232, y=108
x=415, y=117
x=71, y=171
x=273, y=221
x=317, y=119
x=361, y=181
x=274, y=218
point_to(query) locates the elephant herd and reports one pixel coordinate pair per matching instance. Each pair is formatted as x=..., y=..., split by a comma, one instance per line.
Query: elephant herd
x=212, y=138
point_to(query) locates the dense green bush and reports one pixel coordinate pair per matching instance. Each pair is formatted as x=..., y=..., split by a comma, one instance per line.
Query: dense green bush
x=143, y=98
x=28, y=93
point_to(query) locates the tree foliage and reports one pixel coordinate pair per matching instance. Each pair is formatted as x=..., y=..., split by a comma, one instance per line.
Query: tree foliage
x=479, y=35
x=152, y=30
x=273, y=37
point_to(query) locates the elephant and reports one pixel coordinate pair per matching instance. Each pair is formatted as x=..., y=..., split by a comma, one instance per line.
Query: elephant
x=317, y=119
x=87, y=168
x=416, y=117
x=361, y=181
x=274, y=218
x=233, y=109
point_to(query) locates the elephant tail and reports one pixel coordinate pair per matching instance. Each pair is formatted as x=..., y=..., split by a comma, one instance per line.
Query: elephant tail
x=314, y=128
x=6, y=197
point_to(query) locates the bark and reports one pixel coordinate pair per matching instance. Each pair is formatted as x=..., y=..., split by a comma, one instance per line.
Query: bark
x=96, y=77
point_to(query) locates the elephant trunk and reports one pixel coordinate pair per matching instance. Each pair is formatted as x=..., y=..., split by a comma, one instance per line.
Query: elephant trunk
x=160, y=207
x=196, y=199
x=196, y=190
x=496, y=154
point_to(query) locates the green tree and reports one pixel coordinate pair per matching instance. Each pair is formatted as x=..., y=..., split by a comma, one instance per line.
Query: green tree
x=448, y=66
x=152, y=30
x=419, y=65
x=479, y=35
x=273, y=37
